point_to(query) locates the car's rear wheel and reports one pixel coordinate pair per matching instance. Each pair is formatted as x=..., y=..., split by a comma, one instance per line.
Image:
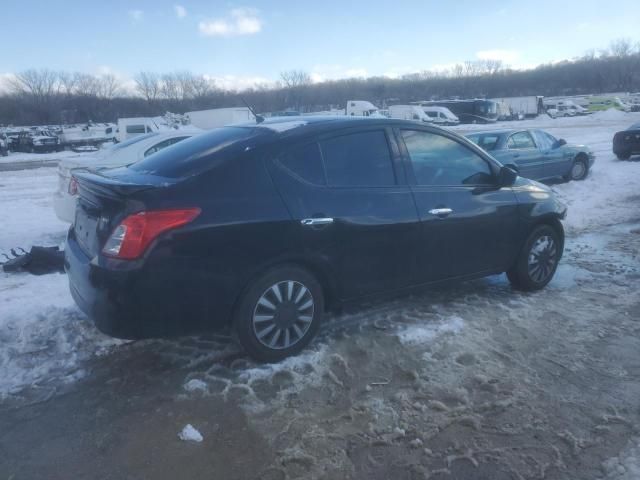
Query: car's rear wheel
x=279, y=314
x=538, y=260
x=579, y=169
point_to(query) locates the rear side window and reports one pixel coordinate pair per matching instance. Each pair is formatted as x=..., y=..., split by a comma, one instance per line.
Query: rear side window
x=439, y=160
x=486, y=141
x=358, y=159
x=198, y=153
x=304, y=162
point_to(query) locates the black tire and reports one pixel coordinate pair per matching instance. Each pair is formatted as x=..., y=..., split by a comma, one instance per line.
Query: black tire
x=290, y=321
x=579, y=169
x=623, y=156
x=523, y=275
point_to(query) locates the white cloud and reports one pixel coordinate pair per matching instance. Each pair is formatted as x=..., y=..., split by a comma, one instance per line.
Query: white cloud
x=181, y=12
x=321, y=73
x=135, y=15
x=235, y=83
x=240, y=21
x=507, y=56
x=5, y=81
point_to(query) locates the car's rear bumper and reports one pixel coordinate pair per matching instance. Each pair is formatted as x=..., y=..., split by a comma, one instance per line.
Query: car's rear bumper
x=131, y=300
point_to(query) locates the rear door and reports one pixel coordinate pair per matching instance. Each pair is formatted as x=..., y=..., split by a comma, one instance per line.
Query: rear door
x=524, y=153
x=351, y=208
x=468, y=223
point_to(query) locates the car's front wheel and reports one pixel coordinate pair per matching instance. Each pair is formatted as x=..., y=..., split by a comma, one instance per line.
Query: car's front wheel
x=623, y=156
x=538, y=260
x=579, y=170
x=279, y=314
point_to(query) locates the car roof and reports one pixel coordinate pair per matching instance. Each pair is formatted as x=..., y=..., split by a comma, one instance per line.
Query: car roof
x=311, y=124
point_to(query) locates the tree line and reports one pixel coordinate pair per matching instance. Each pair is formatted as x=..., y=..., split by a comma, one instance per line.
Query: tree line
x=42, y=96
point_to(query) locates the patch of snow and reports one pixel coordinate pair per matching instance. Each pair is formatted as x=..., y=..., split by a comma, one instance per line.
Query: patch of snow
x=415, y=334
x=194, y=385
x=190, y=434
x=626, y=466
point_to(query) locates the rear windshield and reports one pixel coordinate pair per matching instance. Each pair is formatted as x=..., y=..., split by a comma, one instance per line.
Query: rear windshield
x=196, y=154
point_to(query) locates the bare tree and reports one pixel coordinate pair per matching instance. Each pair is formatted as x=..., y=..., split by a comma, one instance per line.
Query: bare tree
x=295, y=78
x=148, y=85
x=108, y=86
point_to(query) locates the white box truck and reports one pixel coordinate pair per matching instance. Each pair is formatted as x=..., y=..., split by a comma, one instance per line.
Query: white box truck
x=219, y=117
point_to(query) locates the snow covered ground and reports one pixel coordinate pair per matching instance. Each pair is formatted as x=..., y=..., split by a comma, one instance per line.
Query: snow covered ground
x=473, y=381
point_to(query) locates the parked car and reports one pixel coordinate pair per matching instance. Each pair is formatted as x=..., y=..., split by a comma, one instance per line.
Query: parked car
x=627, y=142
x=441, y=116
x=264, y=226
x=37, y=141
x=130, y=151
x=536, y=154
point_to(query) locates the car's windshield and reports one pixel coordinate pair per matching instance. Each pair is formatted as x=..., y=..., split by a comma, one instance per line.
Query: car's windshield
x=635, y=126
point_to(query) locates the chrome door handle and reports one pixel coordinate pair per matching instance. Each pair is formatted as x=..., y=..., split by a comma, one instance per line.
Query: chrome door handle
x=440, y=212
x=316, y=221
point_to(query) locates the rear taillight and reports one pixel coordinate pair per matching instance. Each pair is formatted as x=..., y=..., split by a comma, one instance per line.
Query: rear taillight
x=135, y=233
x=73, y=186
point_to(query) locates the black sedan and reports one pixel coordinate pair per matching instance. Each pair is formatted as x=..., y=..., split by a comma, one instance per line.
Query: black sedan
x=265, y=226
x=536, y=154
x=627, y=142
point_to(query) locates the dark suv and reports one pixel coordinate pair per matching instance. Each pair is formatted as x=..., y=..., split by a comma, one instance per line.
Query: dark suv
x=267, y=225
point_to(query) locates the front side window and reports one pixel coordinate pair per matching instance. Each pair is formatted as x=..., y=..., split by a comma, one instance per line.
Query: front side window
x=358, y=159
x=439, y=160
x=520, y=141
x=544, y=140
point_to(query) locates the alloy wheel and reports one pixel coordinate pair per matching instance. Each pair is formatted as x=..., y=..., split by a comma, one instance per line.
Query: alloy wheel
x=578, y=170
x=283, y=314
x=542, y=259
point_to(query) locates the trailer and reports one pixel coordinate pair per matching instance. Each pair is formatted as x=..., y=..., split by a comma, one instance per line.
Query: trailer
x=523, y=107
x=219, y=117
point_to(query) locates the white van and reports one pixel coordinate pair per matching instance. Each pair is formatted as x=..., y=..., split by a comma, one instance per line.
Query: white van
x=362, y=108
x=441, y=115
x=409, y=112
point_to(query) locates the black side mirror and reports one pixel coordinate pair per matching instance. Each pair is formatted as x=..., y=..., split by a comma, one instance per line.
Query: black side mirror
x=560, y=143
x=507, y=176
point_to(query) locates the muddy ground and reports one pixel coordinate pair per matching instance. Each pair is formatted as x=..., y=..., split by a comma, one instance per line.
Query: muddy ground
x=470, y=382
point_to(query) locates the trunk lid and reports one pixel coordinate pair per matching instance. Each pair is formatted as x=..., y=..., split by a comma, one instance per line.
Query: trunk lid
x=105, y=199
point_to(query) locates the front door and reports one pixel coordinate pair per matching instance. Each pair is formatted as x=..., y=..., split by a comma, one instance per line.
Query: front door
x=524, y=153
x=469, y=221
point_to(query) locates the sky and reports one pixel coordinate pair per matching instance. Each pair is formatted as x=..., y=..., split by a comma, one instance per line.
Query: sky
x=241, y=44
